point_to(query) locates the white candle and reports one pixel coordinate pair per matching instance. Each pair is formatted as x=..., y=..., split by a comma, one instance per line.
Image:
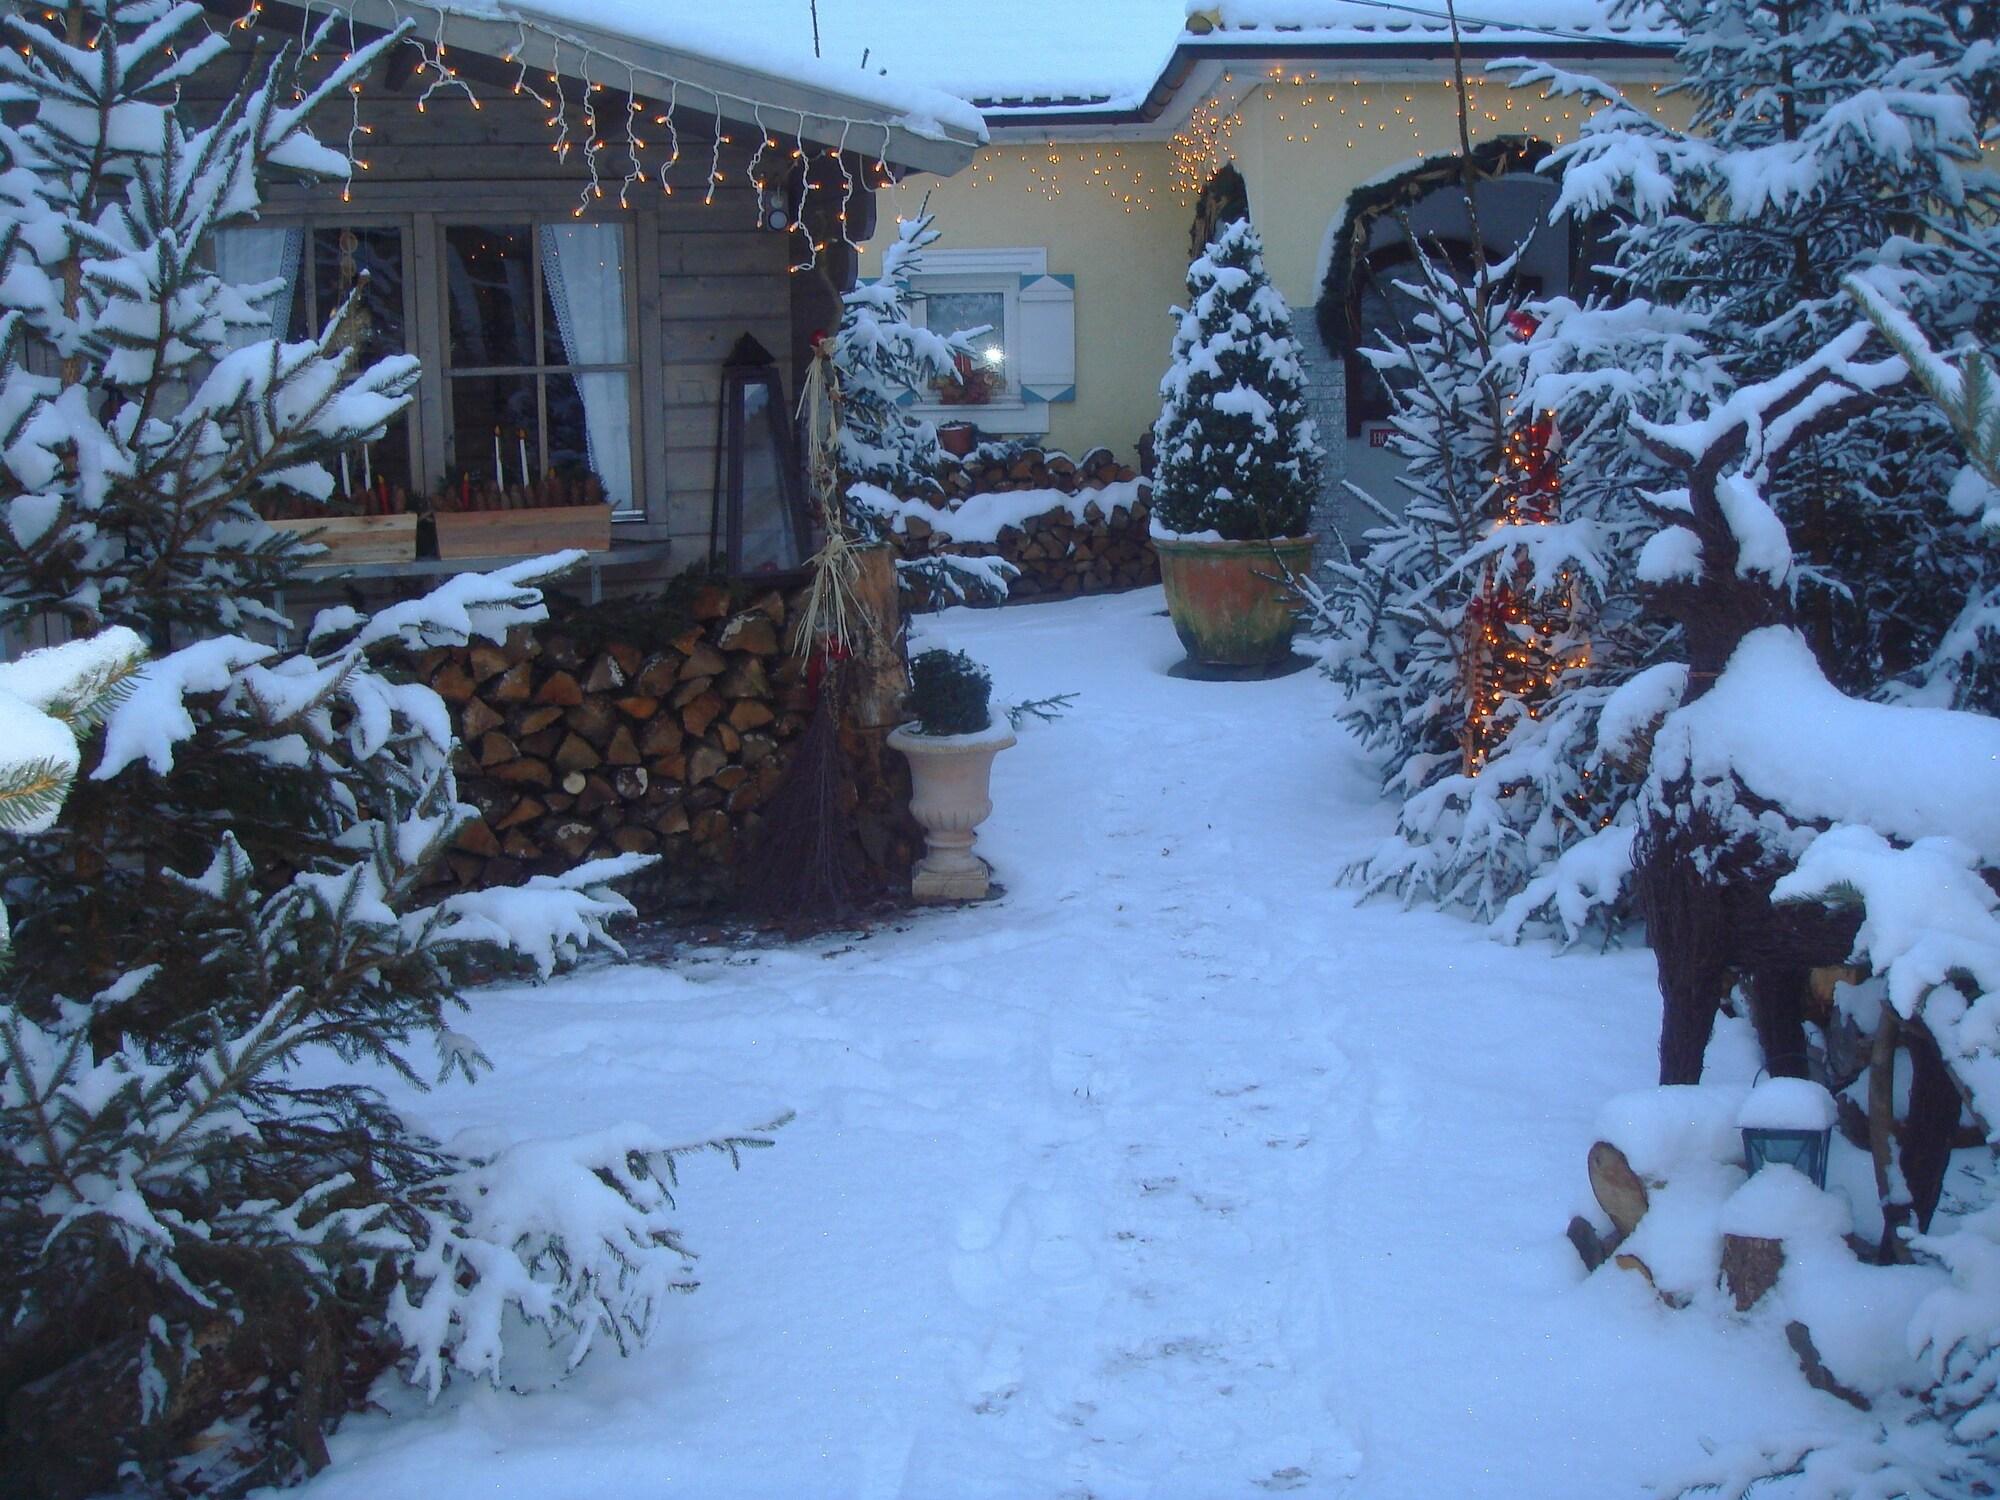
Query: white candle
x=367, y=469
x=522, y=435
x=499, y=474
x=345, y=487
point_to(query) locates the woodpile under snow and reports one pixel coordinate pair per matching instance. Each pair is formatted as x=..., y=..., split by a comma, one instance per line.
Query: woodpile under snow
x=1072, y=526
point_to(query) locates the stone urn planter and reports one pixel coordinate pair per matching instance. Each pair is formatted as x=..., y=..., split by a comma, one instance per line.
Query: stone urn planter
x=1227, y=606
x=951, y=779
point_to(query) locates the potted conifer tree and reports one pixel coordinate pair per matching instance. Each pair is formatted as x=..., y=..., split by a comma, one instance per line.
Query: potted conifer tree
x=1238, y=462
x=950, y=746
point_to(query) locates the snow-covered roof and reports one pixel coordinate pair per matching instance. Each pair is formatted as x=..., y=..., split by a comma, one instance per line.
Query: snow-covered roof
x=743, y=68
x=1017, y=58
x=1530, y=23
x=1108, y=52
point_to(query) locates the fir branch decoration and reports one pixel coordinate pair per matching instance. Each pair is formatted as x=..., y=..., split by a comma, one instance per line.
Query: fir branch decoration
x=1048, y=709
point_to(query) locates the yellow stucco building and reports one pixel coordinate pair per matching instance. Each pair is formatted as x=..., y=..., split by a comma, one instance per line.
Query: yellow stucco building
x=1112, y=159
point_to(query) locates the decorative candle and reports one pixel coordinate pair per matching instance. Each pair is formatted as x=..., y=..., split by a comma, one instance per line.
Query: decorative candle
x=367, y=469
x=521, y=436
x=499, y=474
x=345, y=486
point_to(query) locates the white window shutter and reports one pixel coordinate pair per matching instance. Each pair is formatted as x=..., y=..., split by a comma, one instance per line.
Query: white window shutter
x=1046, y=358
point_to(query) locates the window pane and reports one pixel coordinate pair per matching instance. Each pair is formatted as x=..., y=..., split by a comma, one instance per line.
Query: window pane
x=955, y=312
x=489, y=289
x=341, y=258
x=494, y=426
x=590, y=433
x=583, y=277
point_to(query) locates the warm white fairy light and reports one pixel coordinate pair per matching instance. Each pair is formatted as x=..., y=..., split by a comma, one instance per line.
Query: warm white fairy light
x=518, y=55
x=756, y=164
x=433, y=57
x=673, y=156
x=445, y=76
x=635, y=171
x=714, y=157
x=561, y=107
x=846, y=189
x=593, y=189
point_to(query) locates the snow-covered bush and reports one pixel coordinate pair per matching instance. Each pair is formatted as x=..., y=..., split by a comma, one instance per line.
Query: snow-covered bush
x=1237, y=455
x=211, y=1238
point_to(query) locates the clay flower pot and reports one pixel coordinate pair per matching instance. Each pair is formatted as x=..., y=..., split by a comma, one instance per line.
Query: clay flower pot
x=1226, y=607
x=951, y=776
x=958, y=438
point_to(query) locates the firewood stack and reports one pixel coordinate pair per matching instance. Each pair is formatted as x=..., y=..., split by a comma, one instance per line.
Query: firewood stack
x=670, y=748
x=1059, y=552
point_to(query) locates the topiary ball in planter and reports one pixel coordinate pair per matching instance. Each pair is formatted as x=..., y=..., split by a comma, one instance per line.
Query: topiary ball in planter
x=949, y=693
x=950, y=747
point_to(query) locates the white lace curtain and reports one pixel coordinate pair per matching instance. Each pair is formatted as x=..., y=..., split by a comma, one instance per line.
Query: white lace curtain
x=254, y=256
x=584, y=267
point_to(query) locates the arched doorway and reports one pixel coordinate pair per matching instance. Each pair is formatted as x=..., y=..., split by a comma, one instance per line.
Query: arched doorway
x=1371, y=249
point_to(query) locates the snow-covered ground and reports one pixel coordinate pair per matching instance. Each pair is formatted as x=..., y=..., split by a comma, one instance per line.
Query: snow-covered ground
x=1172, y=1173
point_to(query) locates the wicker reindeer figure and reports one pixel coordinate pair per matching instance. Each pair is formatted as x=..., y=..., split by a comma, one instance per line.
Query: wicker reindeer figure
x=1710, y=846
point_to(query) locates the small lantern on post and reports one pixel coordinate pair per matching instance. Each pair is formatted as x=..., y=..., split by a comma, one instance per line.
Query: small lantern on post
x=757, y=522
x=1788, y=1122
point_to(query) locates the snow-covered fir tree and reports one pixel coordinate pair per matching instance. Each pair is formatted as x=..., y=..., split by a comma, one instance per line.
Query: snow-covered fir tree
x=197, y=1236
x=50, y=700
x=885, y=359
x=1474, y=629
x=1828, y=138
x=1236, y=453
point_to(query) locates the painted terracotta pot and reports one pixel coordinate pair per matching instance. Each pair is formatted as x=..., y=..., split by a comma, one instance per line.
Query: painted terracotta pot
x=1226, y=606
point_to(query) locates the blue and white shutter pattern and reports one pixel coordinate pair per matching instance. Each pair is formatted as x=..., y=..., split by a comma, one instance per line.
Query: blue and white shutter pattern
x=1045, y=356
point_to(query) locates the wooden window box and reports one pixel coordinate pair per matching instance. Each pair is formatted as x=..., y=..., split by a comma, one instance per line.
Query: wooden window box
x=356, y=539
x=523, y=533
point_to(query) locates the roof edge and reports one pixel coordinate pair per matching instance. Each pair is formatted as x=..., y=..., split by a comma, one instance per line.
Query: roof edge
x=1272, y=46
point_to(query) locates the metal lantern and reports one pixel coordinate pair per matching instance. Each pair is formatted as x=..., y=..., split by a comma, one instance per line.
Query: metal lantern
x=758, y=521
x=1788, y=1122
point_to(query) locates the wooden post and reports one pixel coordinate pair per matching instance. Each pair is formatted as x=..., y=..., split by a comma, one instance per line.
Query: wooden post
x=881, y=678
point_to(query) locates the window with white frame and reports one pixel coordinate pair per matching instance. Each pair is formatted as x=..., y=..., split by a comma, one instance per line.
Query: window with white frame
x=1026, y=357
x=527, y=333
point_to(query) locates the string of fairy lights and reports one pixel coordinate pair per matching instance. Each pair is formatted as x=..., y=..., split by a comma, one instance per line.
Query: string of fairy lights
x=1309, y=109
x=602, y=109
x=1519, y=640
x=1347, y=113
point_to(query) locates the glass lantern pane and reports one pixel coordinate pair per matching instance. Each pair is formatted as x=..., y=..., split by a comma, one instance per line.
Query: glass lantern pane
x=490, y=295
x=766, y=541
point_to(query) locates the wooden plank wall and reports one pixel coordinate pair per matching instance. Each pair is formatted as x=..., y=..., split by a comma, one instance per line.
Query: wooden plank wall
x=704, y=273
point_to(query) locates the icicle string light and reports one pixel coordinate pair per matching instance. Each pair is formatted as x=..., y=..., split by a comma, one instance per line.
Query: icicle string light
x=434, y=66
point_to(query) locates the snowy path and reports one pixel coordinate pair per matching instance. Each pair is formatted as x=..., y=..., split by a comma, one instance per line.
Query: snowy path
x=1173, y=1174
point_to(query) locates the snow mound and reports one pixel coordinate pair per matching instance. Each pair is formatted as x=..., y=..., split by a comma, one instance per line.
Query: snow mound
x=1663, y=1128
x=1775, y=722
